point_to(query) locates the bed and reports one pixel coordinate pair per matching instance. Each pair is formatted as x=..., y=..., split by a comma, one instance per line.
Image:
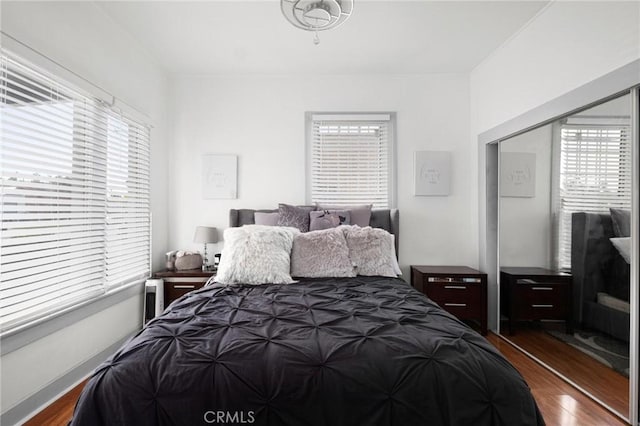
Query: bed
x=600, y=276
x=364, y=350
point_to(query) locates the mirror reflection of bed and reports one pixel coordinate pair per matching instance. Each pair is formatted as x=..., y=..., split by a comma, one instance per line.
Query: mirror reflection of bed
x=564, y=231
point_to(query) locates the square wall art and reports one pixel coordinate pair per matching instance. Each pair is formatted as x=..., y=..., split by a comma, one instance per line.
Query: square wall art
x=431, y=172
x=518, y=174
x=219, y=176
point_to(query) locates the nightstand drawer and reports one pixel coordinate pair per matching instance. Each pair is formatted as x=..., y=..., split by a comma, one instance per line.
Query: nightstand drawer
x=174, y=290
x=179, y=283
x=547, y=311
x=459, y=299
x=455, y=292
x=461, y=309
x=542, y=300
x=543, y=293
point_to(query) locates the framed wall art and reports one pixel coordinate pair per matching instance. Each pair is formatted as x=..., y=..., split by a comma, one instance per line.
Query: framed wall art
x=518, y=174
x=431, y=172
x=219, y=176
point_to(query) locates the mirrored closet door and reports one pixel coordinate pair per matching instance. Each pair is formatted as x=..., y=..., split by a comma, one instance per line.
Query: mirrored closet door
x=564, y=242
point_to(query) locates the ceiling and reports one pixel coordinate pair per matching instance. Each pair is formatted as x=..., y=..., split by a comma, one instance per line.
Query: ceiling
x=381, y=37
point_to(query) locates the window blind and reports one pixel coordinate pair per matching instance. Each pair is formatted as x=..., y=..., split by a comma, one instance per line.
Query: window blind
x=350, y=162
x=595, y=175
x=74, y=194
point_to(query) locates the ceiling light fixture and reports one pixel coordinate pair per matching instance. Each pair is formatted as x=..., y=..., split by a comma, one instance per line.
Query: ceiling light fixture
x=316, y=15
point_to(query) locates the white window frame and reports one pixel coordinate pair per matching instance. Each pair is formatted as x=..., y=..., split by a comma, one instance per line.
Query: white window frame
x=389, y=117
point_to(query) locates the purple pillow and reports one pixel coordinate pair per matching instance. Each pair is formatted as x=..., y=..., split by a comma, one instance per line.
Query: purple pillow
x=295, y=217
x=268, y=219
x=325, y=219
x=360, y=214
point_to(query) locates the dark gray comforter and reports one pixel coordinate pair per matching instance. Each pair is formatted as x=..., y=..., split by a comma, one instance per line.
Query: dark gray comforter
x=353, y=351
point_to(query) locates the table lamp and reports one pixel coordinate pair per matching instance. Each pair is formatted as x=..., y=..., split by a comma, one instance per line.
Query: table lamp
x=205, y=235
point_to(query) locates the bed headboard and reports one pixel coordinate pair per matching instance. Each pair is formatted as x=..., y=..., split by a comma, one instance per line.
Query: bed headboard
x=387, y=219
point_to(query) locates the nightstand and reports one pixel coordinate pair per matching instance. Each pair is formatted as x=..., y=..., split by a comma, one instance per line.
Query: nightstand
x=460, y=290
x=529, y=294
x=178, y=283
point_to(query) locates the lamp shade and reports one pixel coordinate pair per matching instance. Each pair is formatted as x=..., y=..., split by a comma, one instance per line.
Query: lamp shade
x=205, y=234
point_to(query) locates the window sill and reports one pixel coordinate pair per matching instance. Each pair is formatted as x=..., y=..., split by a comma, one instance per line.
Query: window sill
x=21, y=336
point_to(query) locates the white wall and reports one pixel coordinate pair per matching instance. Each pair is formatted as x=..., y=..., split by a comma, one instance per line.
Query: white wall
x=261, y=119
x=525, y=223
x=80, y=37
x=34, y=366
x=567, y=45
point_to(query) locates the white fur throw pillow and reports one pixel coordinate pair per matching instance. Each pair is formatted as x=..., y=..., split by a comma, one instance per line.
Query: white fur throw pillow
x=370, y=250
x=256, y=254
x=321, y=253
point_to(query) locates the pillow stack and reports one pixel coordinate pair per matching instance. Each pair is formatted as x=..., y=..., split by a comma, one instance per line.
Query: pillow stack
x=315, y=217
x=258, y=254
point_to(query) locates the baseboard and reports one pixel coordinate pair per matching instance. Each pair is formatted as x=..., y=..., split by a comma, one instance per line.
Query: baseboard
x=54, y=390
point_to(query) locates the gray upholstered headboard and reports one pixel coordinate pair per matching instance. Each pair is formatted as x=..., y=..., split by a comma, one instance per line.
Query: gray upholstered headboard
x=387, y=219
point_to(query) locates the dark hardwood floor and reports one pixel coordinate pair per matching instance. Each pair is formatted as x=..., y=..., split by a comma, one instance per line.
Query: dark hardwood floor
x=59, y=413
x=607, y=385
x=560, y=403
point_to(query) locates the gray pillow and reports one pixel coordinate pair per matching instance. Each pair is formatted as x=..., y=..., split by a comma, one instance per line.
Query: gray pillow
x=370, y=250
x=296, y=217
x=268, y=219
x=321, y=254
x=359, y=215
x=621, y=219
x=325, y=219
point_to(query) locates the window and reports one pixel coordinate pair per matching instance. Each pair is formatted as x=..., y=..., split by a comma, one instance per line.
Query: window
x=74, y=195
x=594, y=173
x=350, y=159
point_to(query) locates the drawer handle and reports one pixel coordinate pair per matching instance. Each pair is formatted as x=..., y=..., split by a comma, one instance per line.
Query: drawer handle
x=542, y=306
x=178, y=286
x=462, y=305
x=542, y=288
x=456, y=287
